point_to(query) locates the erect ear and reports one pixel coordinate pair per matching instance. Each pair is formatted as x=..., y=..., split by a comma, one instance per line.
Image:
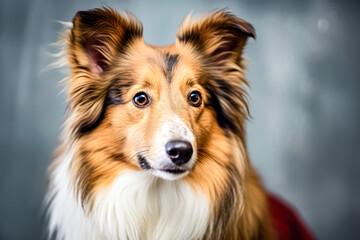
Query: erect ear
x=220, y=39
x=221, y=35
x=98, y=34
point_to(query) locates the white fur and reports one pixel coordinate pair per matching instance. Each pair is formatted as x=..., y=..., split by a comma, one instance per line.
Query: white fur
x=141, y=206
x=137, y=205
x=174, y=129
x=66, y=217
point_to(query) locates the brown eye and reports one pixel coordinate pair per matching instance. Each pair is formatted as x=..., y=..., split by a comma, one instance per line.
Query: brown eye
x=195, y=98
x=141, y=99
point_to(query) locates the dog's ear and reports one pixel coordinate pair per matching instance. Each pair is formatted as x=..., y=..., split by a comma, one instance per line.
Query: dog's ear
x=221, y=36
x=220, y=39
x=98, y=35
x=96, y=38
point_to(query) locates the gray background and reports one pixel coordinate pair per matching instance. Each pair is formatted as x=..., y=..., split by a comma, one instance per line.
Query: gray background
x=304, y=71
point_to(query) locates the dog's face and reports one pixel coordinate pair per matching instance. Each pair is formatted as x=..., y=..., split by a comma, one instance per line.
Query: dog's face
x=163, y=113
x=148, y=108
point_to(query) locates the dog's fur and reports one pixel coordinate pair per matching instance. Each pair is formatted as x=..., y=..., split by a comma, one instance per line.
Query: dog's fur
x=107, y=180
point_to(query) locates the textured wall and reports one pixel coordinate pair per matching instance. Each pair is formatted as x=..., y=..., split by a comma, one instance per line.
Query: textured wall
x=303, y=135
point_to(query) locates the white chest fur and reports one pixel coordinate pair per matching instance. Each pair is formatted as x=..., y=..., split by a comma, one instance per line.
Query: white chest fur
x=141, y=206
x=136, y=206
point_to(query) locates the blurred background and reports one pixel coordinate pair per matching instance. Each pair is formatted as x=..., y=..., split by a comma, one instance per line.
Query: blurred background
x=304, y=72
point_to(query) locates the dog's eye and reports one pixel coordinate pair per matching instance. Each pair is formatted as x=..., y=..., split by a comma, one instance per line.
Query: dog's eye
x=195, y=98
x=141, y=99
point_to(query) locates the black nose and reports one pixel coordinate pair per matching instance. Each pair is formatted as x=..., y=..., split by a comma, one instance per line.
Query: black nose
x=179, y=151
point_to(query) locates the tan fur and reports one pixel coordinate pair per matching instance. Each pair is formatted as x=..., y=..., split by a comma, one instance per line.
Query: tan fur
x=110, y=63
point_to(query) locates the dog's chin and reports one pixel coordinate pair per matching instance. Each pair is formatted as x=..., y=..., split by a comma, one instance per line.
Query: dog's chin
x=170, y=174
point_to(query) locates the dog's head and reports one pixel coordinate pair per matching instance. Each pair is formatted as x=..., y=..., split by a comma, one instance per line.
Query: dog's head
x=137, y=106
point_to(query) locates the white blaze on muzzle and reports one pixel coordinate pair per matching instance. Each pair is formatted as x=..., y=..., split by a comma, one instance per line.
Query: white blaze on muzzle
x=172, y=130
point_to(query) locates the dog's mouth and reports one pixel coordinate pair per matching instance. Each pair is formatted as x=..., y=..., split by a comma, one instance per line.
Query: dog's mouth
x=173, y=170
x=145, y=165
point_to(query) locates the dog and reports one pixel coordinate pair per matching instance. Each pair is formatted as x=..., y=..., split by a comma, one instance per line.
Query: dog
x=154, y=145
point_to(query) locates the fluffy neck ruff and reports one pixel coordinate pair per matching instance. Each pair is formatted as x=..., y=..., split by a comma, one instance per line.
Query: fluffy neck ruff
x=140, y=206
x=137, y=205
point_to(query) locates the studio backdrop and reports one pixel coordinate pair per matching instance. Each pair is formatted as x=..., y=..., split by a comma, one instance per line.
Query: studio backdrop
x=303, y=134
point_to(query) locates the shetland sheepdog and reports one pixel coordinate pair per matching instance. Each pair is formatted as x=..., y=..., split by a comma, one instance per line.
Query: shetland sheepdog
x=154, y=146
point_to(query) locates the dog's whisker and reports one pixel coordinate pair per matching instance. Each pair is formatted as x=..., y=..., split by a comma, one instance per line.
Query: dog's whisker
x=202, y=170
x=136, y=154
x=209, y=155
x=205, y=166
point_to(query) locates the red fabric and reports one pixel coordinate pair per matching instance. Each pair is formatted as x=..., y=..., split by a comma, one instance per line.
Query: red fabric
x=287, y=222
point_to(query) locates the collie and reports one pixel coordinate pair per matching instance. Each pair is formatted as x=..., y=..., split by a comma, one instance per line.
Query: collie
x=154, y=146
